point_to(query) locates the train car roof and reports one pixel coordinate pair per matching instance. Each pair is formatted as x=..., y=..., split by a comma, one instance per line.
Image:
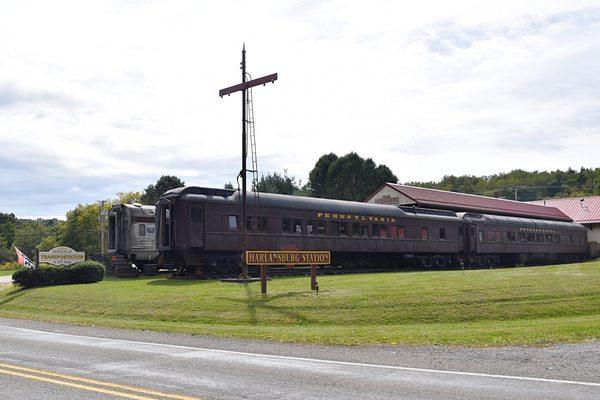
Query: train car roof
x=135, y=209
x=271, y=200
x=501, y=220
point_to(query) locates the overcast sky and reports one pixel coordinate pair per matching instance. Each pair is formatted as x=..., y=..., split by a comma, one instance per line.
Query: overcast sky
x=102, y=97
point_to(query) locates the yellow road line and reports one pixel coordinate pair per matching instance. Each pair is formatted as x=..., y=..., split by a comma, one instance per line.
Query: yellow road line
x=134, y=389
x=76, y=385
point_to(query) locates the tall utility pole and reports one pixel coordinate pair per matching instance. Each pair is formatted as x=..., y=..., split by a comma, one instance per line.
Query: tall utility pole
x=243, y=87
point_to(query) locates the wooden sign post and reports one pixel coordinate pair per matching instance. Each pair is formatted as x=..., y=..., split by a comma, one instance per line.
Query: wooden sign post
x=263, y=258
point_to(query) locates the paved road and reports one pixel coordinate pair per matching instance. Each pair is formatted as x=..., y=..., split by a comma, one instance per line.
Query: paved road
x=53, y=361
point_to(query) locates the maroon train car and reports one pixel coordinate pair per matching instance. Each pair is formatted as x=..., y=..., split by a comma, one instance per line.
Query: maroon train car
x=198, y=229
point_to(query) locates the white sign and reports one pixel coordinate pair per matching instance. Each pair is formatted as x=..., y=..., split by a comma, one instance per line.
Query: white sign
x=62, y=255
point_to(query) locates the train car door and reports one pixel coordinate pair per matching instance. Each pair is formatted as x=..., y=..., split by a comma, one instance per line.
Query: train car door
x=470, y=242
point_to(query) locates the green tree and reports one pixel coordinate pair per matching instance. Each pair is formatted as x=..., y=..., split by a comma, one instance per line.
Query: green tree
x=128, y=198
x=48, y=243
x=153, y=192
x=349, y=177
x=277, y=183
x=319, y=176
x=81, y=230
x=228, y=185
x=8, y=224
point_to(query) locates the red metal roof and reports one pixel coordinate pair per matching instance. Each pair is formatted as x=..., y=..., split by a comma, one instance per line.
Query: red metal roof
x=584, y=210
x=469, y=202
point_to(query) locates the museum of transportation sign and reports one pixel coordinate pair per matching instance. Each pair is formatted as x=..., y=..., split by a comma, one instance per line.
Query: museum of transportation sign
x=61, y=255
x=268, y=257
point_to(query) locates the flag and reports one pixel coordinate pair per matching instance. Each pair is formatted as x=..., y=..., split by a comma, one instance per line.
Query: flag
x=24, y=260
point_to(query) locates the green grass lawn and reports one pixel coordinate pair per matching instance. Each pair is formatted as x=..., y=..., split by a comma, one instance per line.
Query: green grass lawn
x=536, y=305
x=6, y=273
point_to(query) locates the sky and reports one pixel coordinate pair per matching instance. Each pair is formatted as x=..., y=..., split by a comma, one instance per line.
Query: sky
x=103, y=97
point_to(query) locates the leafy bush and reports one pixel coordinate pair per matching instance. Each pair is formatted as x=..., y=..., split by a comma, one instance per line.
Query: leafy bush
x=9, y=266
x=85, y=272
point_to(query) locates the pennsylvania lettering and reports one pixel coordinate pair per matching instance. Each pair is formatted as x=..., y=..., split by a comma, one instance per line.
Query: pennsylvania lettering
x=353, y=217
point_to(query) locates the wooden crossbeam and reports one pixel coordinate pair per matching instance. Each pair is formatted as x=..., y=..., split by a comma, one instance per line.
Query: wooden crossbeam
x=246, y=85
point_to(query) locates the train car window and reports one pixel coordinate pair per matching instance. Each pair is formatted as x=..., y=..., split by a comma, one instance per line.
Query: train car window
x=375, y=231
x=249, y=225
x=286, y=226
x=196, y=215
x=497, y=236
x=489, y=236
x=570, y=239
x=442, y=233
x=424, y=233
x=262, y=224
x=233, y=225
x=530, y=237
x=383, y=231
x=548, y=238
x=480, y=236
x=311, y=228
x=505, y=236
x=393, y=232
x=321, y=228
x=334, y=228
x=355, y=229
x=472, y=231
x=539, y=238
x=297, y=227
x=142, y=229
x=522, y=237
x=556, y=238
x=343, y=229
x=401, y=232
x=364, y=230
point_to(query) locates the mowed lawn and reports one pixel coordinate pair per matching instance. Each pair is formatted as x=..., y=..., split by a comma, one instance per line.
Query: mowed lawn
x=534, y=305
x=6, y=273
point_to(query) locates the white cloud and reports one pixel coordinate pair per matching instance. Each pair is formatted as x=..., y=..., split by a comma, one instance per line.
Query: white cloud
x=106, y=97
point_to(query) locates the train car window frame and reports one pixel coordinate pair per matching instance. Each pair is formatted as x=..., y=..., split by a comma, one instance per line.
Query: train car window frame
x=196, y=215
x=297, y=227
x=375, y=230
x=393, y=230
x=249, y=224
x=355, y=229
x=232, y=222
x=442, y=234
x=364, y=230
x=424, y=233
x=286, y=226
x=262, y=224
x=311, y=228
x=142, y=230
x=480, y=236
x=321, y=228
x=334, y=228
x=344, y=229
x=383, y=231
x=401, y=232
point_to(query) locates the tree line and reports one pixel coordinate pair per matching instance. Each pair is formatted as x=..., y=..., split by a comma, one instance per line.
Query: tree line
x=347, y=177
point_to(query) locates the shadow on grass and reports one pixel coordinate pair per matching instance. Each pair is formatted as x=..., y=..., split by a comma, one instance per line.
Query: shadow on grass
x=255, y=301
x=12, y=295
x=166, y=281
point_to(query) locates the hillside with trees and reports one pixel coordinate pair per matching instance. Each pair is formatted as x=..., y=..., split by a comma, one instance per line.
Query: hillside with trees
x=523, y=185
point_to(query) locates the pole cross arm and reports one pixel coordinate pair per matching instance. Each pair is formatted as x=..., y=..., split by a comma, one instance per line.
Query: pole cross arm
x=246, y=85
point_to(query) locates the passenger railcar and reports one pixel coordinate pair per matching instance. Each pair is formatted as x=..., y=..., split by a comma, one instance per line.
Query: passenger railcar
x=198, y=229
x=132, y=232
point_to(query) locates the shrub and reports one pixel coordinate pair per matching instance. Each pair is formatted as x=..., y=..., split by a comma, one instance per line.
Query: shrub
x=85, y=272
x=10, y=266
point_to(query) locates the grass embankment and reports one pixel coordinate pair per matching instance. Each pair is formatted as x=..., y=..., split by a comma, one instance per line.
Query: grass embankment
x=538, y=305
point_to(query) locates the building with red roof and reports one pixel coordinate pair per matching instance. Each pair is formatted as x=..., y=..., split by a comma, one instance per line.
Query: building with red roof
x=404, y=195
x=583, y=210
